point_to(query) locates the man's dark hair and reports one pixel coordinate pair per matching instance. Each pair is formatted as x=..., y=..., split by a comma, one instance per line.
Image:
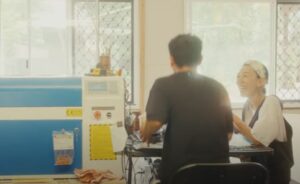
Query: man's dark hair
x=186, y=50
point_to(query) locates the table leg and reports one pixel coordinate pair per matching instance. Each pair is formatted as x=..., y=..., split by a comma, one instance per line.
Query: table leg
x=129, y=168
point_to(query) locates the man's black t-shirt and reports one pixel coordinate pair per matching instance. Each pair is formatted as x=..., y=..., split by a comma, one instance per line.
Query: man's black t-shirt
x=198, y=116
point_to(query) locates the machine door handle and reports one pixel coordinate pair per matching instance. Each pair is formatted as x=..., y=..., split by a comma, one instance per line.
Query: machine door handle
x=76, y=133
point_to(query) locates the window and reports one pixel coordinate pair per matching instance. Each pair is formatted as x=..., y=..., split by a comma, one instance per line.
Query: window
x=288, y=52
x=65, y=37
x=33, y=38
x=234, y=31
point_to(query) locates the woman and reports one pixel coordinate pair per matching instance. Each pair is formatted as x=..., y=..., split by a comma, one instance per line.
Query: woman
x=263, y=123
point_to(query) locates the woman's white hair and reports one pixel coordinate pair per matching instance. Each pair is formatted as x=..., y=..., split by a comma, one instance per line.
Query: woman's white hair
x=259, y=68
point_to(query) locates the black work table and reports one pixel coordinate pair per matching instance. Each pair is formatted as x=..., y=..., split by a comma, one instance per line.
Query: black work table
x=235, y=151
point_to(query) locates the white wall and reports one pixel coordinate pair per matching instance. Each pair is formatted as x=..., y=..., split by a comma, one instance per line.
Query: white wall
x=294, y=120
x=164, y=20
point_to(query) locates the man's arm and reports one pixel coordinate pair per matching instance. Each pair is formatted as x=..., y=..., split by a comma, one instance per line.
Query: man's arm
x=229, y=135
x=228, y=112
x=150, y=128
x=157, y=109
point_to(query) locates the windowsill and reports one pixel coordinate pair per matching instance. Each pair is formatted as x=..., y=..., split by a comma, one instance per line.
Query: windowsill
x=287, y=105
x=291, y=105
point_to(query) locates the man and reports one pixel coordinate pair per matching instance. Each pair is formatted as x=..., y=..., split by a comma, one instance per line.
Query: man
x=195, y=108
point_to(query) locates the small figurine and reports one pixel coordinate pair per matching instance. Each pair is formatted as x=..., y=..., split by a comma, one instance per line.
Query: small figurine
x=103, y=67
x=104, y=64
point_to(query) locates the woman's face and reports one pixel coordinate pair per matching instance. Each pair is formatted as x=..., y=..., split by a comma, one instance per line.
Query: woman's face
x=248, y=82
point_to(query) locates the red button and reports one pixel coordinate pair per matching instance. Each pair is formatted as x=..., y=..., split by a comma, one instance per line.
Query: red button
x=97, y=115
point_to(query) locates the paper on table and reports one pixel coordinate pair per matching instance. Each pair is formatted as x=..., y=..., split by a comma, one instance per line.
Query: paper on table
x=239, y=140
x=119, y=136
x=150, y=146
x=63, y=144
x=63, y=140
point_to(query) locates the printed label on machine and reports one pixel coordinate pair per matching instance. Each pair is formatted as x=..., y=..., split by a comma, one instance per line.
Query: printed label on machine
x=101, y=143
x=63, y=145
x=74, y=112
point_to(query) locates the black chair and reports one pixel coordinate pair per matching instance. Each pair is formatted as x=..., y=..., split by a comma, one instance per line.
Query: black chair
x=221, y=173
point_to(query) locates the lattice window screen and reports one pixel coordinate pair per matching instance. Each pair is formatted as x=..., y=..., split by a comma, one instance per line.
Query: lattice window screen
x=85, y=36
x=102, y=25
x=288, y=52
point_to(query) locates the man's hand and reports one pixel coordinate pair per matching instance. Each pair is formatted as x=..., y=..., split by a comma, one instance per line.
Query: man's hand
x=145, y=134
x=150, y=128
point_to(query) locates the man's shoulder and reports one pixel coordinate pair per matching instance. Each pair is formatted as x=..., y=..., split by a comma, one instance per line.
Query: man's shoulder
x=209, y=79
x=164, y=79
x=161, y=83
x=211, y=82
x=171, y=79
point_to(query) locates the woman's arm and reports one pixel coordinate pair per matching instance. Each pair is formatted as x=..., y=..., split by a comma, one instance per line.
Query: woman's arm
x=244, y=130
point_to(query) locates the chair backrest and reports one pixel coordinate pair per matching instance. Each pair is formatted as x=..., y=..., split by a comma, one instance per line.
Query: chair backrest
x=221, y=173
